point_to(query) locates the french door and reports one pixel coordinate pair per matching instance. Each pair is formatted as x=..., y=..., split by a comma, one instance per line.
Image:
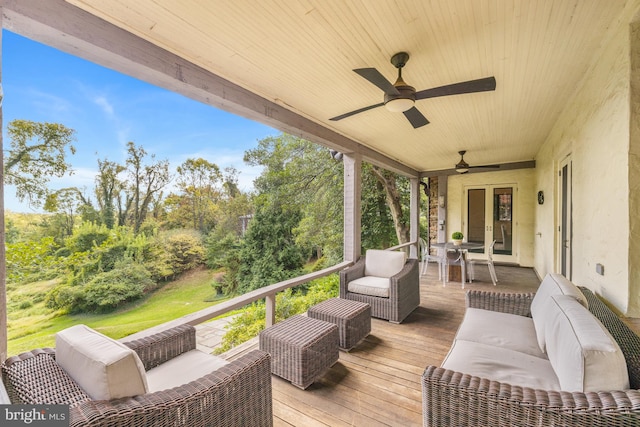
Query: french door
x=489, y=216
x=565, y=212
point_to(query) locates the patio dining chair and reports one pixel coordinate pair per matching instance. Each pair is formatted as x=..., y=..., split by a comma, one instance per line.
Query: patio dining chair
x=456, y=258
x=425, y=257
x=488, y=262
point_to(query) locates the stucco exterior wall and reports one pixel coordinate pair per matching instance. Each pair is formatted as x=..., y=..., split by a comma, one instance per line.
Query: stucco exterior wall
x=524, y=179
x=593, y=130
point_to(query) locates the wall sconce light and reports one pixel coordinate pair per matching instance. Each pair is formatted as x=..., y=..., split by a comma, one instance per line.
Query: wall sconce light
x=441, y=201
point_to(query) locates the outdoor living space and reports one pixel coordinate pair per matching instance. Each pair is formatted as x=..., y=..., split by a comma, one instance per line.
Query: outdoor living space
x=378, y=382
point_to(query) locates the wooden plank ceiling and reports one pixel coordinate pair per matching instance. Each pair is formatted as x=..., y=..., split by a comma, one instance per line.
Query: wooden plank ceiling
x=300, y=54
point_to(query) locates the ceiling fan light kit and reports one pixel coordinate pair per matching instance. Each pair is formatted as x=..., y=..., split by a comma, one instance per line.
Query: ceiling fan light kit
x=400, y=97
x=463, y=167
x=399, y=105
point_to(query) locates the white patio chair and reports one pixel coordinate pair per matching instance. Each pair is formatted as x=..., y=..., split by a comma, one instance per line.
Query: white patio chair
x=488, y=262
x=425, y=257
x=454, y=257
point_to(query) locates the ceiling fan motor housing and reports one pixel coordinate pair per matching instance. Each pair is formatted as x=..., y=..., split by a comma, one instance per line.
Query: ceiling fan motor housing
x=405, y=92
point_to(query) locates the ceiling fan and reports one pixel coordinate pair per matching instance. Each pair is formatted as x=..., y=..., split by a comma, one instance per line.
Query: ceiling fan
x=463, y=167
x=400, y=97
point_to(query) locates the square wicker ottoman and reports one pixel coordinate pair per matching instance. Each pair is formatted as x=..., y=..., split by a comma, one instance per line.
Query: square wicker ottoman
x=301, y=349
x=352, y=317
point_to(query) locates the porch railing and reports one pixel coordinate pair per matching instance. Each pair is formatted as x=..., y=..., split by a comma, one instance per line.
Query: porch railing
x=268, y=293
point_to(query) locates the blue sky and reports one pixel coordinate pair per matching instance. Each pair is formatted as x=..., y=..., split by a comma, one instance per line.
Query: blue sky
x=108, y=109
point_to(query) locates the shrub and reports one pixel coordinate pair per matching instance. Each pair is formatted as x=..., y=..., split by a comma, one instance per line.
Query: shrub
x=185, y=251
x=251, y=320
x=105, y=291
x=108, y=290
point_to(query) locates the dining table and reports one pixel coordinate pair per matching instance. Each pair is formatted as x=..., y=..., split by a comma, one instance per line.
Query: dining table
x=455, y=272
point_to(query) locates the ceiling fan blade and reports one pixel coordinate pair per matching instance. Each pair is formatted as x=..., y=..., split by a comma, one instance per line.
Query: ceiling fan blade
x=480, y=85
x=352, y=113
x=378, y=79
x=415, y=117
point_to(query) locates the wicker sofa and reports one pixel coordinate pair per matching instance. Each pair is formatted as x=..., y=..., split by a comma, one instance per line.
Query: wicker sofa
x=237, y=394
x=384, y=280
x=455, y=398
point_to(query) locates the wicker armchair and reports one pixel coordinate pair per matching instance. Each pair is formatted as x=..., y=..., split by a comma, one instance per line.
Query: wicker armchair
x=238, y=394
x=404, y=291
x=456, y=399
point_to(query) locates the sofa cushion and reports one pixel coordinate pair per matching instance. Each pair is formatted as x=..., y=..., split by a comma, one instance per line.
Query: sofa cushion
x=370, y=285
x=104, y=368
x=552, y=284
x=381, y=263
x=500, y=330
x=185, y=368
x=581, y=350
x=501, y=364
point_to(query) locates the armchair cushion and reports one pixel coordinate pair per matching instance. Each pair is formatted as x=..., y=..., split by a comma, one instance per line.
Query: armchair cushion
x=370, y=285
x=182, y=369
x=104, y=368
x=381, y=263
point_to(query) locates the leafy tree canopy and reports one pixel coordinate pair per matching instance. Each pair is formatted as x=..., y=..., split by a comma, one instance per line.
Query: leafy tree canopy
x=38, y=152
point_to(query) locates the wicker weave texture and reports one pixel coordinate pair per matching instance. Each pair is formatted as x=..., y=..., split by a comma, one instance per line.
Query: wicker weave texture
x=452, y=398
x=353, y=319
x=628, y=341
x=301, y=349
x=238, y=394
x=404, y=291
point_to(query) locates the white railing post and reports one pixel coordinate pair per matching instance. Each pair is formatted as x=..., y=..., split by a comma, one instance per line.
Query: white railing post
x=414, y=217
x=352, y=164
x=270, y=306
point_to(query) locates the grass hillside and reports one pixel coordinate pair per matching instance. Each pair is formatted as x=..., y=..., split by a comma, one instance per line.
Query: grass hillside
x=32, y=325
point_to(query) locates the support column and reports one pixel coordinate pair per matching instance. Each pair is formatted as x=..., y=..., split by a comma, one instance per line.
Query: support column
x=414, y=216
x=442, y=210
x=3, y=258
x=352, y=238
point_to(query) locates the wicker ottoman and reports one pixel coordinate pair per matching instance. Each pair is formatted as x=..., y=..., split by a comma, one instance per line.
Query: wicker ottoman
x=352, y=317
x=301, y=349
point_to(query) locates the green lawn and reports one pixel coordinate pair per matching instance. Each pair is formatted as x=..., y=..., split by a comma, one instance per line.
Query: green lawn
x=36, y=326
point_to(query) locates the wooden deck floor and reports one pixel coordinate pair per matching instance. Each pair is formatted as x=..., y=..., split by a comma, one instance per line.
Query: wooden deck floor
x=378, y=382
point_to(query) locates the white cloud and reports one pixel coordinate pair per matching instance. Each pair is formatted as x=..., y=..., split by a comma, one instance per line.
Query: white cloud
x=105, y=105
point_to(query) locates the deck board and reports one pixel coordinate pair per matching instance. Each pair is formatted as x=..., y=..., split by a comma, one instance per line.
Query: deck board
x=378, y=382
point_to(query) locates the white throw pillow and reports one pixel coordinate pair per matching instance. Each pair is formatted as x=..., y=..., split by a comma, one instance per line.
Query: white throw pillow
x=381, y=263
x=552, y=284
x=104, y=368
x=581, y=350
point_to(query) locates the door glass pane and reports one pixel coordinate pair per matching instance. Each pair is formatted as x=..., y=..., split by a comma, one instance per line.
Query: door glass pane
x=476, y=215
x=502, y=220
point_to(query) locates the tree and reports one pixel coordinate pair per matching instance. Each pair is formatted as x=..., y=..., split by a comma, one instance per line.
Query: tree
x=302, y=176
x=394, y=188
x=108, y=187
x=201, y=183
x=38, y=152
x=147, y=181
x=64, y=203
